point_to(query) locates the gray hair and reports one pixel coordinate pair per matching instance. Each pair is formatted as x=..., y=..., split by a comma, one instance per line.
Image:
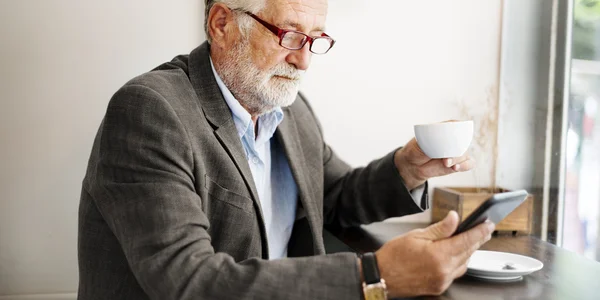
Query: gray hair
x=245, y=24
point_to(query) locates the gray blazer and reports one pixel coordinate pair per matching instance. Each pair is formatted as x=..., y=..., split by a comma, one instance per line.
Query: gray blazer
x=169, y=209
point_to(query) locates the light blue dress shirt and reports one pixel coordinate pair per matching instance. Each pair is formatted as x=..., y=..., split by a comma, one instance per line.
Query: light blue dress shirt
x=276, y=187
x=277, y=190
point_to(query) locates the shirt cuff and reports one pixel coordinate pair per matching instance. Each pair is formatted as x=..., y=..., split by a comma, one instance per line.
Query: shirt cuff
x=417, y=195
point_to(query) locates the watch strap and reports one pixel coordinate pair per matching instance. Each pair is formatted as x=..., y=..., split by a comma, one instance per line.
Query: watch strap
x=370, y=268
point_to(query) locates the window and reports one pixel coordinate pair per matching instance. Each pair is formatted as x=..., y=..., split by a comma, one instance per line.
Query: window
x=581, y=219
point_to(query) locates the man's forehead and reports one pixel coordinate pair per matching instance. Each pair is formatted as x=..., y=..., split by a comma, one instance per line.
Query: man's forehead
x=298, y=14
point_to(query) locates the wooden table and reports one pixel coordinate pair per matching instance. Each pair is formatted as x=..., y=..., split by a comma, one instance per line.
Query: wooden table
x=566, y=275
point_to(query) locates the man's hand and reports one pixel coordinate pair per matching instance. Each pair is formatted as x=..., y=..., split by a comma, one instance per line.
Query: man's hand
x=426, y=261
x=415, y=167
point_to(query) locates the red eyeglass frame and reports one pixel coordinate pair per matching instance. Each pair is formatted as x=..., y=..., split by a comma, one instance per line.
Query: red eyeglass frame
x=281, y=32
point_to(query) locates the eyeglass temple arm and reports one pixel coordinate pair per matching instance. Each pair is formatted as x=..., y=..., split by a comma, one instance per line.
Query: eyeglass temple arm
x=271, y=28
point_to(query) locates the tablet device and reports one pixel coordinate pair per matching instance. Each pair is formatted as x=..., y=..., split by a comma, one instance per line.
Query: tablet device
x=496, y=208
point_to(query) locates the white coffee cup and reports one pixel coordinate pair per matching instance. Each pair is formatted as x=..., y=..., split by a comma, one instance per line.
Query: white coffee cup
x=442, y=140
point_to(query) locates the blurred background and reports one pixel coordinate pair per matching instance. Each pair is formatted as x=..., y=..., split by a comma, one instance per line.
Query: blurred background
x=582, y=197
x=532, y=92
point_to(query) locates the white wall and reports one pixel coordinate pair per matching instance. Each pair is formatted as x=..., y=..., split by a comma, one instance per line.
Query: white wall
x=400, y=63
x=396, y=63
x=60, y=62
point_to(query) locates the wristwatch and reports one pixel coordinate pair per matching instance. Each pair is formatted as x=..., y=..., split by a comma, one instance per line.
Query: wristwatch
x=374, y=287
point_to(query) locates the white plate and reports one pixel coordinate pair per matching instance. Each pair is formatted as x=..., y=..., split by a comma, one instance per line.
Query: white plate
x=499, y=279
x=494, y=264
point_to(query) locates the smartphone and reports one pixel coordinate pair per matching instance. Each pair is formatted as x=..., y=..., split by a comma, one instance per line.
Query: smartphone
x=496, y=208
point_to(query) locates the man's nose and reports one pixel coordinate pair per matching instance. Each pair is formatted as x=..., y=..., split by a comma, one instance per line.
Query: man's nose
x=300, y=58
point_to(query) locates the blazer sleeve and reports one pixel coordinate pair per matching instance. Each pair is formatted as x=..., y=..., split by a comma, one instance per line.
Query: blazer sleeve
x=144, y=190
x=364, y=195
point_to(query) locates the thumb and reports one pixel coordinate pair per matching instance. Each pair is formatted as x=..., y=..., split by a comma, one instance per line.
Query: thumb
x=444, y=228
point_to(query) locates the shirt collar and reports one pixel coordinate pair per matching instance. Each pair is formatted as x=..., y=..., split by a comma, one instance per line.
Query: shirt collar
x=242, y=118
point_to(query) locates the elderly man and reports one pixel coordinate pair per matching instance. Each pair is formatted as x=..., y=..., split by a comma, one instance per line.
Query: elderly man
x=209, y=179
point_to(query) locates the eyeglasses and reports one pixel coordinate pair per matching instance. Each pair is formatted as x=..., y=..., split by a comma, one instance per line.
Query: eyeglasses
x=295, y=40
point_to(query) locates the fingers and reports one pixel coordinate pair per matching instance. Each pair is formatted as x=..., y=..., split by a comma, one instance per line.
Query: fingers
x=441, y=167
x=415, y=155
x=458, y=249
x=464, y=166
x=444, y=228
x=424, y=167
x=463, y=163
x=448, y=162
x=435, y=168
x=466, y=243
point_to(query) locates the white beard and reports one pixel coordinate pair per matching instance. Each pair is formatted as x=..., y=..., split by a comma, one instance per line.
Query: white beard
x=259, y=91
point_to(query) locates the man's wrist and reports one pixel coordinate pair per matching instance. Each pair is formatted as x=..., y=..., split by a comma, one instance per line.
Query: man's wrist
x=373, y=286
x=403, y=169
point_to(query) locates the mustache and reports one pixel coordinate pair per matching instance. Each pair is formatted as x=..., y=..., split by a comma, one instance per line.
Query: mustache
x=288, y=71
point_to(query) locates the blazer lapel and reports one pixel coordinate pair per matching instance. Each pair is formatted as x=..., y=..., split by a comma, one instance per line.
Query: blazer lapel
x=218, y=114
x=288, y=136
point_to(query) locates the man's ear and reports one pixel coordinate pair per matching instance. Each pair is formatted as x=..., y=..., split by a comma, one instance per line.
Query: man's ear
x=220, y=20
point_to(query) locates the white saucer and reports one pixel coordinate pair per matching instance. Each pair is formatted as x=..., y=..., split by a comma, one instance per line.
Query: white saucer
x=493, y=264
x=498, y=279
